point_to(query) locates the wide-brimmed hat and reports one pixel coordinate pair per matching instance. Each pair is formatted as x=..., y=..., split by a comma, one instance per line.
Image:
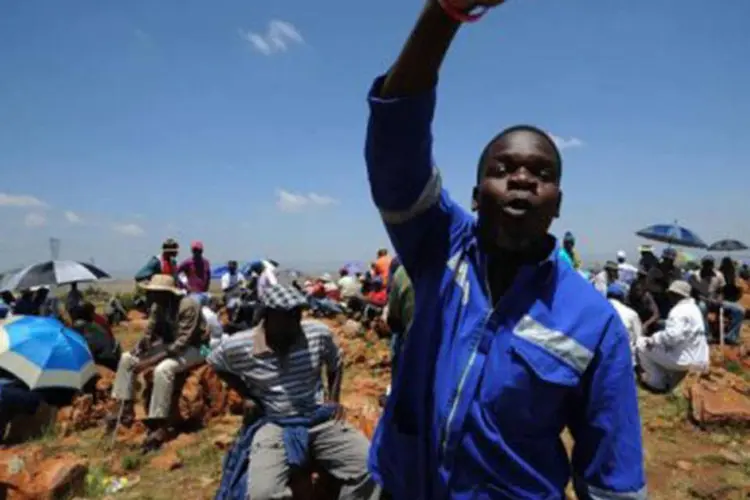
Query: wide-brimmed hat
x=162, y=283
x=680, y=288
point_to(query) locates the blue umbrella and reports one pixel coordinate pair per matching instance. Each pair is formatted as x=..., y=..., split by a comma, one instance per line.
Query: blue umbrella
x=44, y=354
x=672, y=234
x=727, y=246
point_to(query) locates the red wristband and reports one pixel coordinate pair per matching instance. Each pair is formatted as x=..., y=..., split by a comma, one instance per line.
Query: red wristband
x=473, y=15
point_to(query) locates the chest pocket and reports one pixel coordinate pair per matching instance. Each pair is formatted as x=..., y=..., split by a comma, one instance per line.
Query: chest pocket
x=538, y=371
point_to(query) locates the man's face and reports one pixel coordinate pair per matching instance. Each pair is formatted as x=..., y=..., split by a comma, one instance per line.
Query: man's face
x=232, y=267
x=518, y=195
x=197, y=253
x=668, y=262
x=170, y=254
x=707, y=267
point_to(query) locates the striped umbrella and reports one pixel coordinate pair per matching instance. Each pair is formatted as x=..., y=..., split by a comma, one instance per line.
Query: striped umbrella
x=44, y=354
x=52, y=273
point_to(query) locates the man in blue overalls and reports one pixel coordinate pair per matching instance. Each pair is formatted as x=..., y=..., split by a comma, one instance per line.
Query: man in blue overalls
x=508, y=346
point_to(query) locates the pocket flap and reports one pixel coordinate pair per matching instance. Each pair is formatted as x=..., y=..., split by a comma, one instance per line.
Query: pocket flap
x=545, y=365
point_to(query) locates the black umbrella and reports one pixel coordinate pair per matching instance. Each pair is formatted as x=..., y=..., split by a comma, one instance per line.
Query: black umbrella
x=727, y=246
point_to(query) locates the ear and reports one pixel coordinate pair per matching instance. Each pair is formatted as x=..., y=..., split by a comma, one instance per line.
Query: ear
x=474, y=199
x=559, y=204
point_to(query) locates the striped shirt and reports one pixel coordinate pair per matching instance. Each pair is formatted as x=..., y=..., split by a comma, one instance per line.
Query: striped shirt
x=284, y=386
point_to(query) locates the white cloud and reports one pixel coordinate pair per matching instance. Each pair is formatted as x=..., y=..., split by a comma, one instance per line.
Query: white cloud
x=129, y=229
x=20, y=200
x=293, y=202
x=277, y=38
x=35, y=220
x=563, y=143
x=73, y=217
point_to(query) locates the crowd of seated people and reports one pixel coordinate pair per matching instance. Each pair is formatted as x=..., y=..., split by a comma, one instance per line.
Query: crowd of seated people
x=666, y=311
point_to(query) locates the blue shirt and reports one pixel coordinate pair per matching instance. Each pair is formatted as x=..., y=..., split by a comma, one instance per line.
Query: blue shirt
x=482, y=395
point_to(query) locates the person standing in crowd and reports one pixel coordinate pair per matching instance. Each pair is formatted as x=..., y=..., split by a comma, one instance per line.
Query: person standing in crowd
x=196, y=270
x=232, y=283
x=667, y=356
x=642, y=302
x=508, y=345
x=626, y=271
x=383, y=265
x=74, y=299
x=166, y=263
x=400, y=312
x=660, y=277
x=608, y=276
x=648, y=258
x=617, y=296
x=569, y=252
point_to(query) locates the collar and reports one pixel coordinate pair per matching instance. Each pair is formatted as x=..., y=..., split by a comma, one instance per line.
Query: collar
x=544, y=268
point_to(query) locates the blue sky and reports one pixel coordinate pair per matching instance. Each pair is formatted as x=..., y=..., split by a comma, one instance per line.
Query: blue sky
x=241, y=123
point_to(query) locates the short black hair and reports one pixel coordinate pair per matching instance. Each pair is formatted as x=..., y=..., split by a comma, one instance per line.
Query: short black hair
x=519, y=128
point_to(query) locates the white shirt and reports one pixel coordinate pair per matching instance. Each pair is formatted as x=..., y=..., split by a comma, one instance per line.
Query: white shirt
x=350, y=287
x=267, y=278
x=627, y=272
x=229, y=280
x=214, y=326
x=631, y=321
x=683, y=339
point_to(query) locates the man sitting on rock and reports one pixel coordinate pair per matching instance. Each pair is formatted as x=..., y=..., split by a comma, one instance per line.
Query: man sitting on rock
x=278, y=363
x=175, y=332
x=667, y=355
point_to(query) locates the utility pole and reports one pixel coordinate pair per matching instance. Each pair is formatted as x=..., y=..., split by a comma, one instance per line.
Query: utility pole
x=54, y=248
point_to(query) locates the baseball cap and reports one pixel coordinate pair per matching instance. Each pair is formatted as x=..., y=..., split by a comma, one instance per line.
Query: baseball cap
x=616, y=290
x=621, y=254
x=196, y=245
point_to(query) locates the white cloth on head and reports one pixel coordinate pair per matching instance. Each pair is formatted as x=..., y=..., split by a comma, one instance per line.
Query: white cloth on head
x=680, y=347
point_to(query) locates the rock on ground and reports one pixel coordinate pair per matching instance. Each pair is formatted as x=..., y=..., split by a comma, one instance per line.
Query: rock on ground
x=26, y=474
x=719, y=397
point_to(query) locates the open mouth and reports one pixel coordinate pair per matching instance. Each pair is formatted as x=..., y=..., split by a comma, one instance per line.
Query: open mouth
x=518, y=207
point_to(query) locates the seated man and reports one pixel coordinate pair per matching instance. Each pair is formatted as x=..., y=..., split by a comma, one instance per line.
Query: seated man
x=666, y=356
x=376, y=299
x=709, y=286
x=278, y=363
x=174, y=335
x=95, y=329
x=15, y=399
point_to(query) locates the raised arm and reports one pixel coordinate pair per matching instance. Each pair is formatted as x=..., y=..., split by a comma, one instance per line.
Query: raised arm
x=405, y=186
